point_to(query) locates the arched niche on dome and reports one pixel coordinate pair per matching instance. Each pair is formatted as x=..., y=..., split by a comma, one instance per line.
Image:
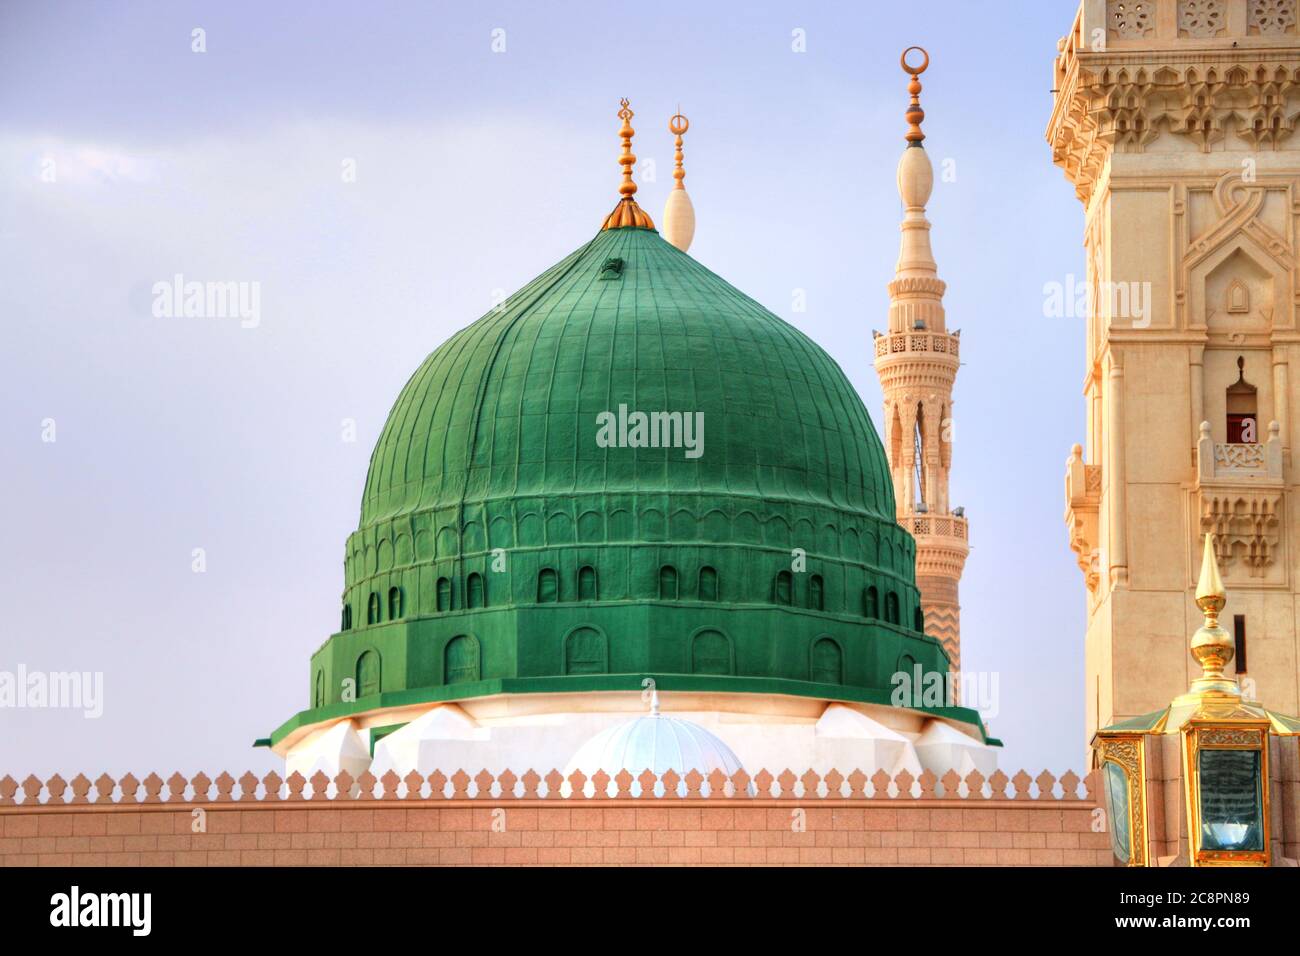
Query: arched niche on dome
x=712, y=653
x=475, y=591
x=559, y=529
x=444, y=595
x=870, y=553
x=682, y=526
x=424, y=545
x=369, y=673
x=473, y=539
x=708, y=589
x=885, y=554
x=805, y=535
x=747, y=528
x=715, y=526
x=403, y=551
x=591, y=527
x=587, y=584
x=318, y=689
x=893, y=612
x=871, y=602
x=448, y=542
x=501, y=533
x=906, y=665
x=828, y=541
x=668, y=583
x=586, y=651
x=816, y=592
x=776, y=532
x=850, y=545
x=461, y=660
x=783, y=588
x=620, y=525
x=652, y=523
x=384, y=554
x=826, y=661
x=548, y=586
x=530, y=530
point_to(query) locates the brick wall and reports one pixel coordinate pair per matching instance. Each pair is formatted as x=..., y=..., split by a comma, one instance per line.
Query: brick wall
x=506, y=820
x=614, y=832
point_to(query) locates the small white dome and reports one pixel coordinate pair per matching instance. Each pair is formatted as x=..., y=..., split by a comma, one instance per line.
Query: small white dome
x=657, y=743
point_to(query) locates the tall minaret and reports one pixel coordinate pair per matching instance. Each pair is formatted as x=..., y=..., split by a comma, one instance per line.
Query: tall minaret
x=917, y=362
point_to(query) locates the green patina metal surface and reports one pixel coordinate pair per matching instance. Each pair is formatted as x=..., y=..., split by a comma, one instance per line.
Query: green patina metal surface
x=499, y=539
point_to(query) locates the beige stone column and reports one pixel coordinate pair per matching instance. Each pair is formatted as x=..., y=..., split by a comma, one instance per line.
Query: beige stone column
x=1281, y=397
x=1115, y=481
x=1197, y=360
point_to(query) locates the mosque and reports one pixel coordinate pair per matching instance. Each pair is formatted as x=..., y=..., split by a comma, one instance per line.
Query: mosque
x=631, y=519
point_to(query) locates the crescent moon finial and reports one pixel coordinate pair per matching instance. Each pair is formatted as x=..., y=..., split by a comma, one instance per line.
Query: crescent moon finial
x=914, y=115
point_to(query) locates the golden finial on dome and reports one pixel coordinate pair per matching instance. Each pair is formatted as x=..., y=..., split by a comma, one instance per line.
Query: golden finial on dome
x=914, y=115
x=627, y=214
x=679, y=213
x=678, y=125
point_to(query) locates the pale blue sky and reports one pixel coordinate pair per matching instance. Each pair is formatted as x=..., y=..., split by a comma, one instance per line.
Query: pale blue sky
x=475, y=172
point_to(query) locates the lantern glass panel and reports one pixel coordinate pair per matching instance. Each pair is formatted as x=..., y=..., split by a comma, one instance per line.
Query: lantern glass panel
x=1232, y=808
x=1117, y=801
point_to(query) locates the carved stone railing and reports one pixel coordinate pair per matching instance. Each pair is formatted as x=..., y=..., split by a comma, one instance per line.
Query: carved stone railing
x=934, y=343
x=1254, y=463
x=55, y=793
x=942, y=526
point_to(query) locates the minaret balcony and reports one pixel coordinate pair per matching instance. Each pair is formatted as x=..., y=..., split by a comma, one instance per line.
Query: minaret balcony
x=1240, y=496
x=939, y=526
x=1234, y=462
x=919, y=343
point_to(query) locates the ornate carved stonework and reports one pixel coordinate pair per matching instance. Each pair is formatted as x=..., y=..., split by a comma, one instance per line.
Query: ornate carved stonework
x=1109, y=103
x=1272, y=17
x=1201, y=18
x=1129, y=19
x=1082, y=501
x=1246, y=525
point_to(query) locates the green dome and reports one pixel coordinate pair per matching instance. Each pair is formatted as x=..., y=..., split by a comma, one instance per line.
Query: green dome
x=507, y=407
x=507, y=545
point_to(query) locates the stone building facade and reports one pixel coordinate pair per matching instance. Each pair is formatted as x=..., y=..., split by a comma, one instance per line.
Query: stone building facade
x=1173, y=119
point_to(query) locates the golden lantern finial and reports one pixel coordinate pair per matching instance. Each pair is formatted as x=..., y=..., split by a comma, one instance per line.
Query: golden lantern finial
x=1212, y=647
x=914, y=115
x=627, y=214
x=678, y=125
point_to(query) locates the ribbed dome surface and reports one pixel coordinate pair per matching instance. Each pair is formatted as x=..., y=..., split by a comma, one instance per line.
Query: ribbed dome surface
x=654, y=742
x=508, y=405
